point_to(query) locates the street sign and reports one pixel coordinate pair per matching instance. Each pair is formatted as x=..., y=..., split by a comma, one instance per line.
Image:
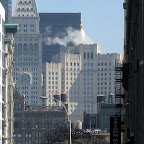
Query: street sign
x=115, y=130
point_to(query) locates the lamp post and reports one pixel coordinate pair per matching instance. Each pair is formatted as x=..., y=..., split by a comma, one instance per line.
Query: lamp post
x=66, y=113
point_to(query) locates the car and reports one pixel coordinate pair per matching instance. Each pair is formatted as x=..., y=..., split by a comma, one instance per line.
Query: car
x=97, y=131
x=87, y=131
x=104, y=131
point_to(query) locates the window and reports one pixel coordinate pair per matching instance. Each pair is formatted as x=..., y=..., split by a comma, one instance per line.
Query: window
x=28, y=125
x=60, y=125
x=31, y=49
x=37, y=125
x=19, y=134
x=19, y=49
x=28, y=134
x=47, y=125
x=91, y=55
x=35, y=49
x=38, y=134
x=88, y=55
x=25, y=49
x=28, y=142
x=17, y=125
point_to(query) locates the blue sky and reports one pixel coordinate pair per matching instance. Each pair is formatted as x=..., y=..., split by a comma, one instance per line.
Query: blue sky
x=102, y=20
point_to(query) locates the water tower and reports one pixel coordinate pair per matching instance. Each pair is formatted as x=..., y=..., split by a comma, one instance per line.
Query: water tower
x=64, y=99
x=57, y=98
x=100, y=98
x=111, y=98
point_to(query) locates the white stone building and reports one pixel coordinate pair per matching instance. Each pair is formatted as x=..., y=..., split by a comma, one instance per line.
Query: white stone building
x=27, y=55
x=2, y=64
x=51, y=82
x=85, y=74
x=80, y=71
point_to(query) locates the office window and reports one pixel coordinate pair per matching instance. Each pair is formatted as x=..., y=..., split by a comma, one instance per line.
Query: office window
x=88, y=55
x=37, y=125
x=84, y=55
x=28, y=134
x=19, y=134
x=38, y=134
x=28, y=142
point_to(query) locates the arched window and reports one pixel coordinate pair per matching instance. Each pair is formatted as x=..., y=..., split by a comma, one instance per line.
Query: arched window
x=15, y=50
x=60, y=125
x=31, y=49
x=19, y=49
x=47, y=125
x=38, y=134
x=25, y=49
x=28, y=125
x=38, y=125
x=17, y=125
x=35, y=49
x=47, y=134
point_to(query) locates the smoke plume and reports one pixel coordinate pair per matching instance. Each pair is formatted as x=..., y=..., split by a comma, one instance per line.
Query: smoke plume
x=71, y=36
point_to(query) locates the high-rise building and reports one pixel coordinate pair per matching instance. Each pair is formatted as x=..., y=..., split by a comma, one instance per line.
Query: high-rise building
x=8, y=73
x=28, y=51
x=2, y=78
x=133, y=71
x=7, y=4
x=84, y=73
x=7, y=32
x=54, y=25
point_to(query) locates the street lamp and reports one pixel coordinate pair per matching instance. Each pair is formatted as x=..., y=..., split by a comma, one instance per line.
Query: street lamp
x=42, y=97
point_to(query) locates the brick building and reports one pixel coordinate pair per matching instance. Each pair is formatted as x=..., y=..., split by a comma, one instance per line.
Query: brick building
x=34, y=124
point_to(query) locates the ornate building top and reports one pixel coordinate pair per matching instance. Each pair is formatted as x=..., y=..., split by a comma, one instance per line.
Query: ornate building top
x=25, y=8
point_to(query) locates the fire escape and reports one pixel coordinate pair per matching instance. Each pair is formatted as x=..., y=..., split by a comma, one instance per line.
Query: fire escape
x=119, y=88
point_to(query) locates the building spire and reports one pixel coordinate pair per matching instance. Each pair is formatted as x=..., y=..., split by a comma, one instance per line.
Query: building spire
x=25, y=8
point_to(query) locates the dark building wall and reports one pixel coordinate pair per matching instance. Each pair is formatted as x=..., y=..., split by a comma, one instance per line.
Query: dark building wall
x=58, y=22
x=7, y=4
x=134, y=57
x=54, y=25
x=34, y=125
x=106, y=111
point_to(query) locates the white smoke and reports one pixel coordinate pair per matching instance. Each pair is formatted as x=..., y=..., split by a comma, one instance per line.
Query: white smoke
x=72, y=36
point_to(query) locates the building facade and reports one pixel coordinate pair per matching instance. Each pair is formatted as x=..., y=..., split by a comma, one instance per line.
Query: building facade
x=2, y=77
x=133, y=79
x=36, y=124
x=84, y=74
x=10, y=30
x=7, y=4
x=7, y=32
x=28, y=51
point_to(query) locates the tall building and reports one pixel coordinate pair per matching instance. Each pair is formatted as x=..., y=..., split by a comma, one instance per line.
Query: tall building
x=2, y=76
x=28, y=51
x=7, y=32
x=7, y=4
x=8, y=73
x=133, y=77
x=84, y=73
x=55, y=25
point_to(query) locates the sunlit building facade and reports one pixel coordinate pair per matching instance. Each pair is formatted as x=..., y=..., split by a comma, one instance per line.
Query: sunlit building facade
x=27, y=55
x=84, y=73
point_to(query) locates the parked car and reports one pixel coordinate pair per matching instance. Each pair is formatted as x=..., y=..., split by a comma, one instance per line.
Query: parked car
x=104, y=131
x=97, y=131
x=87, y=131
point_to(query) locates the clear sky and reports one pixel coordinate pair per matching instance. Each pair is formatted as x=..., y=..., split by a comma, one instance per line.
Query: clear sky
x=103, y=20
